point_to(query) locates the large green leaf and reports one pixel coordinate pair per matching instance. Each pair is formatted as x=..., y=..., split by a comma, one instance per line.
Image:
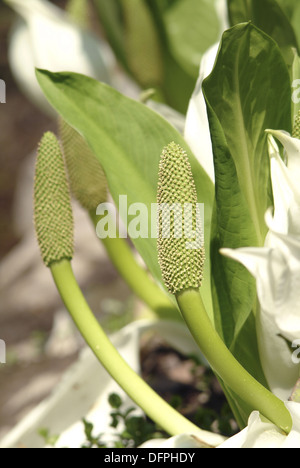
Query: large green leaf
x=128, y=139
x=291, y=9
x=268, y=16
x=247, y=92
x=192, y=27
x=234, y=288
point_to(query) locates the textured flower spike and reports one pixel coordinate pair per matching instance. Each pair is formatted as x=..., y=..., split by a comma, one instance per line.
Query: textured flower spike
x=296, y=130
x=182, y=267
x=182, y=271
x=87, y=179
x=52, y=204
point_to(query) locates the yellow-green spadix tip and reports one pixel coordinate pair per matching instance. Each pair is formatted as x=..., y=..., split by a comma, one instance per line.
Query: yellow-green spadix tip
x=87, y=179
x=181, y=253
x=53, y=215
x=296, y=129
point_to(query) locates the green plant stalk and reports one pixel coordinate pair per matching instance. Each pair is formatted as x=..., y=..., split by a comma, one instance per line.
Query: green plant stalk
x=146, y=398
x=226, y=366
x=137, y=277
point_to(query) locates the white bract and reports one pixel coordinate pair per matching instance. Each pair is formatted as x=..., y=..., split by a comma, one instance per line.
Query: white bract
x=260, y=434
x=276, y=268
x=179, y=441
x=45, y=37
x=197, y=126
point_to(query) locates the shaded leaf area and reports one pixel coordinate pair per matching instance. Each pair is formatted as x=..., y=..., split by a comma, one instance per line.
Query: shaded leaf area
x=291, y=9
x=273, y=17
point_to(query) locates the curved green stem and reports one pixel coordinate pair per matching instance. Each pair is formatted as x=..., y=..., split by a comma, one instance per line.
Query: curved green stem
x=226, y=366
x=137, y=277
x=146, y=398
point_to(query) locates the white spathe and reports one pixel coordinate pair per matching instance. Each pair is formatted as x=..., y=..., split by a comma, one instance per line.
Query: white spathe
x=45, y=37
x=197, y=133
x=179, y=441
x=285, y=183
x=276, y=267
x=259, y=434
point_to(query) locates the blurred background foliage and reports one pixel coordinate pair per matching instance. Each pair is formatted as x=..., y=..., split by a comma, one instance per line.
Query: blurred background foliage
x=160, y=43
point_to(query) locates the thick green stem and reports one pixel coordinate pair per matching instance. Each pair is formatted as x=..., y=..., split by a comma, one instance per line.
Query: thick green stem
x=226, y=366
x=147, y=399
x=137, y=277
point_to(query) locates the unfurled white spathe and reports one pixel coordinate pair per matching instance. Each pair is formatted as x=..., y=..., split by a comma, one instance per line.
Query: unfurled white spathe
x=179, y=442
x=197, y=132
x=285, y=183
x=276, y=268
x=259, y=434
x=276, y=276
x=45, y=37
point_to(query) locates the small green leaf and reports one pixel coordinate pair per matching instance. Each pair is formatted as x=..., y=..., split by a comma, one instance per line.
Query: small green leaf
x=115, y=401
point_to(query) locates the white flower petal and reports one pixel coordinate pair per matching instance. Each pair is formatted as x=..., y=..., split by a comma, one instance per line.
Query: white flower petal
x=260, y=434
x=251, y=257
x=277, y=272
x=222, y=11
x=50, y=40
x=292, y=148
x=282, y=193
x=285, y=183
x=197, y=133
x=276, y=268
x=276, y=357
x=179, y=441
